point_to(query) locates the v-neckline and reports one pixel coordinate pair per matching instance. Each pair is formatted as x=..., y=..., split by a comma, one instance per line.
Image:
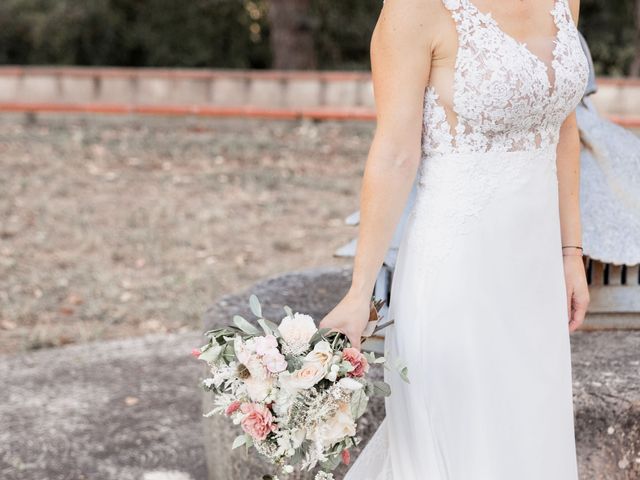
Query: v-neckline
x=523, y=45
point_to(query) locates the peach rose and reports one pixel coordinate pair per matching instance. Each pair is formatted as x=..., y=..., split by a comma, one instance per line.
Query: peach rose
x=306, y=377
x=336, y=428
x=358, y=360
x=257, y=421
x=321, y=353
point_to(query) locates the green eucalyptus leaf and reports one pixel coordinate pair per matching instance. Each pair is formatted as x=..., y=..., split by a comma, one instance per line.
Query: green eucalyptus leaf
x=404, y=374
x=297, y=457
x=318, y=335
x=293, y=363
x=381, y=388
x=346, y=367
x=210, y=355
x=272, y=326
x=331, y=463
x=229, y=349
x=265, y=327
x=358, y=403
x=288, y=311
x=245, y=326
x=239, y=441
x=254, y=303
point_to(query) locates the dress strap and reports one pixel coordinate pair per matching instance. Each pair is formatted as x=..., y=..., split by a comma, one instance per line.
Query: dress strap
x=455, y=5
x=562, y=9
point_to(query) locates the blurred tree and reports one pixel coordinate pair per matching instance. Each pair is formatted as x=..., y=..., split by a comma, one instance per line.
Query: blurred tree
x=634, y=71
x=194, y=33
x=291, y=34
x=324, y=34
x=343, y=32
x=610, y=30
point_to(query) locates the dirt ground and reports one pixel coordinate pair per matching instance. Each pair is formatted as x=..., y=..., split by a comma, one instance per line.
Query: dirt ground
x=113, y=227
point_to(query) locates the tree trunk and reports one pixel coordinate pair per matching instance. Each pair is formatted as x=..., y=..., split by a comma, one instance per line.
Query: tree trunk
x=291, y=35
x=634, y=71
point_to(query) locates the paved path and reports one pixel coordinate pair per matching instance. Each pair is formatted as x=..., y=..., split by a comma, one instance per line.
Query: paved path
x=131, y=410
x=127, y=409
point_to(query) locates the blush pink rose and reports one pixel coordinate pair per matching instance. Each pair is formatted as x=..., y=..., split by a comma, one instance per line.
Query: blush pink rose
x=274, y=361
x=265, y=344
x=258, y=420
x=233, y=406
x=358, y=360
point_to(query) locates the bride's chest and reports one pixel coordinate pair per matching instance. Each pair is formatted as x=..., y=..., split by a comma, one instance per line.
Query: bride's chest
x=503, y=95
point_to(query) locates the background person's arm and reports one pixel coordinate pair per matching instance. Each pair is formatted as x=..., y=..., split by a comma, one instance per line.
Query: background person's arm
x=401, y=47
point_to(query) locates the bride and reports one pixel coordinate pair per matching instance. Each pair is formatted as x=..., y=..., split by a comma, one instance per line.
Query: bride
x=477, y=98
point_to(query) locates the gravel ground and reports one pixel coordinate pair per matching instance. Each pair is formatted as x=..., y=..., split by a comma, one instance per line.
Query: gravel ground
x=113, y=227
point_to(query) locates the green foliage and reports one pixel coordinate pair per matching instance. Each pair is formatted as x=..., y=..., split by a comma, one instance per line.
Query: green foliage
x=235, y=33
x=245, y=326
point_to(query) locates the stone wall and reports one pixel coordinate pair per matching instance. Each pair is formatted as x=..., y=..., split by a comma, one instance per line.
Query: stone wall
x=321, y=94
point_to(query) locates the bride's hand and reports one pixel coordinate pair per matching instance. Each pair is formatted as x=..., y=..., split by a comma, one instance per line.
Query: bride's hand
x=350, y=317
x=577, y=290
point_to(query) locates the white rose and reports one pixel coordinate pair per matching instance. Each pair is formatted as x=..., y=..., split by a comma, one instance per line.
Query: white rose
x=283, y=400
x=306, y=377
x=333, y=373
x=256, y=367
x=258, y=388
x=349, y=384
x=336, y=428
x=321, y=353
x=297, y=330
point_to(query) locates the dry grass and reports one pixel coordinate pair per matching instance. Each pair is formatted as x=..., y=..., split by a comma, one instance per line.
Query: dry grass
x=114, y=227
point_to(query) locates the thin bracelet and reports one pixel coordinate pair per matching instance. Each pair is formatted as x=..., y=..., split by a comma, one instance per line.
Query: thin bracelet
x=572, y=246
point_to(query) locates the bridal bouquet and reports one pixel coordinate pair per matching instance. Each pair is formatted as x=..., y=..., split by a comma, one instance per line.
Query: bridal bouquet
x=296, y=391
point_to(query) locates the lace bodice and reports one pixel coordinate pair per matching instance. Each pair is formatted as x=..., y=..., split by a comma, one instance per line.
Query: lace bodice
x=505, y=97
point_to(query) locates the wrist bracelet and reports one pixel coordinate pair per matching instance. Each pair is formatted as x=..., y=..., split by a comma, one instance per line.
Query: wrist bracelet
x=572, y=246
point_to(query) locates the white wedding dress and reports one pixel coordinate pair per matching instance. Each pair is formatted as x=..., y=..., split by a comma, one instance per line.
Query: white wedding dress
x=478, y=295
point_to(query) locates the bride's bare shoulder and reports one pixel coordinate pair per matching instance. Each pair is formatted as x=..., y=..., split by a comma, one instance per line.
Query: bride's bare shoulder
x=420, y=20
x=574, y=6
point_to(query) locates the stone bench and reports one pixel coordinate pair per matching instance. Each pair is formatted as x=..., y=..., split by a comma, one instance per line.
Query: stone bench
x=606, y=370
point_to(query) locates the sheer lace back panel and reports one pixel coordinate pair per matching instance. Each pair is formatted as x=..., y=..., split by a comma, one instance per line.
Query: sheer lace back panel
x=503, y=96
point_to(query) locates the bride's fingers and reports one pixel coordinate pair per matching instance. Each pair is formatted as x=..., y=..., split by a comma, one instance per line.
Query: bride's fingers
x=354, y=341
x=579, y=311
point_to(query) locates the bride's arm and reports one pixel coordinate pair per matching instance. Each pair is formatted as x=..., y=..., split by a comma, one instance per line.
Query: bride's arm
x=401, y=47
x=569, y=191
